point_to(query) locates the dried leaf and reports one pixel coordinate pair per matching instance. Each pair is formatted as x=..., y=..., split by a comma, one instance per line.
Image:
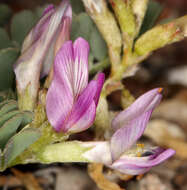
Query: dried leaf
x=96, y=173
x=27, y=179
x=169, y=135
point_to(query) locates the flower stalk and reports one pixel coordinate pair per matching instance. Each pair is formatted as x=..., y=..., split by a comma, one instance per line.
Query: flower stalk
x=161, y=35
x=71, y=151
x=107, y=25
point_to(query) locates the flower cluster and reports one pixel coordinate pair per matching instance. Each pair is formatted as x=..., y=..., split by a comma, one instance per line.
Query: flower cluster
x=129, y=126
x=72, y=100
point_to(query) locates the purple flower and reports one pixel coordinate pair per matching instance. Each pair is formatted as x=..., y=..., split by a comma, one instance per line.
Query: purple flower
x=71, y=100
x=129, y=126
x=40, y=47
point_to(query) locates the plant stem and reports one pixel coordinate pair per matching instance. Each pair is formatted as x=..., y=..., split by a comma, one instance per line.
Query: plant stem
x=99, y=66
x=71, y=151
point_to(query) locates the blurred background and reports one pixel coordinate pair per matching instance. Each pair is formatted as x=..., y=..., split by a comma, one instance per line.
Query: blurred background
x=167, y=68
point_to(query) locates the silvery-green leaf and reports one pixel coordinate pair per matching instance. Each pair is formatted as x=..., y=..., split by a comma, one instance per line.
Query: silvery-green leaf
x=27, y=117
x=77, y=6
x=153, y=11
x=4, y=39
x=7, y=107
x=38, y=12
x=8, y=116
x=7, y=95
x=82, y=26
x=21, y=24
x=9, y=128
x=167, y=20
x=18, y=143
x=98, y=45
x=2, y=98
x=3, y=103
x=1, y=160
x=5, y=14
x=7, y=58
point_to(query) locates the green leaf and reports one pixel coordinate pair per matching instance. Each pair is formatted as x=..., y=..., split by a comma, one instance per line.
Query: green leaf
x=98, y=45
x=9, y=128
x=18, y=143
x=39, y=11
x=153, y=11
x=7, y=94
x=7, y=107
x=5, y=14
x=8, y=116
x=4, y=39
x=82, y=26
x=3, y=103
x=7, y=58
x=1, y=98
x=167, y=20
x=21, y=24
x=27, y=117
x=1, y=160
x=77, y=6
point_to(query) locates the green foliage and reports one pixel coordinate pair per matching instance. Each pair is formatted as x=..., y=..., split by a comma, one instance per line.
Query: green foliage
x=38, y=11
x=153, y=11
x=9, y=128
x=14, y=136
x=5, y=41
x=8, y=116
x=8, y=57
x=98, y=45
x=18, y=143
x=83, y=26
x=7, y=94
x=7, y=106
x=22, y=23
x=5, y=14
x=77, y=6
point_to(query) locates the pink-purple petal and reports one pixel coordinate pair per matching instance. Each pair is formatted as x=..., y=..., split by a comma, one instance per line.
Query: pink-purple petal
x=60, y=95
x=100, y=81
x=85, y=121
x=63, y=65
x=140, y=165
x=71, y=77
x=64, y=34
x=48, y=9
x=38, y=30
x=81, y=51
x=144, y=103
x=59, y=104
x=126, y=136
x=81, y=106
x=68, y=12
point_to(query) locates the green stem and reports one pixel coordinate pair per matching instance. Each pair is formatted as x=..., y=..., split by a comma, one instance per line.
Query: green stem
x=99, y=66
x=71, y=151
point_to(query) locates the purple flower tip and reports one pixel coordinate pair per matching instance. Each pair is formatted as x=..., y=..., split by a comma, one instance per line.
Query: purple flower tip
x=37, y=52
x=129, y=125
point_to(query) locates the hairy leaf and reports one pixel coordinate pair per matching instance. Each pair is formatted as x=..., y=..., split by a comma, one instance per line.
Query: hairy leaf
x=18, y=143
x=7, y=58
x=9, y=128
x=21, y=24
